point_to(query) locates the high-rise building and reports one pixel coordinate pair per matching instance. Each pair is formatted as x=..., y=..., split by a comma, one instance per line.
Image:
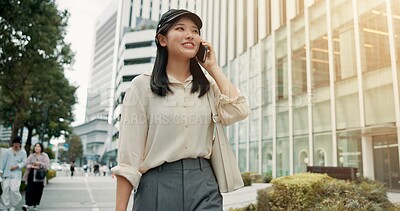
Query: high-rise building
x=137, y=20
x=322, y=78
x=95, y=131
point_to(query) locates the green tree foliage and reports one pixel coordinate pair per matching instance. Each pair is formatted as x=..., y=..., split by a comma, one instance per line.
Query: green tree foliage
x=49, y=152
x=75, y=149
x=33, y=55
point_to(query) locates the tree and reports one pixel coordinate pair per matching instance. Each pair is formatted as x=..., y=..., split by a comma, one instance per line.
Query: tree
x=32, y=47
x=51, y=109
x=49, y=152
x=75, y=149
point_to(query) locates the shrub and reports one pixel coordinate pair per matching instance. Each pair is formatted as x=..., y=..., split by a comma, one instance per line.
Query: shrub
x=51, y=174
x=247, y=179
x=250, y=207
x=313, y=191
x=296, y=192
x=267, y=177
x=263, y=199
x=346, y=195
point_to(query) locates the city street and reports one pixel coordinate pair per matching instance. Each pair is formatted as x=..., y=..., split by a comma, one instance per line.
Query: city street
x=97, y=193
x=83, y=193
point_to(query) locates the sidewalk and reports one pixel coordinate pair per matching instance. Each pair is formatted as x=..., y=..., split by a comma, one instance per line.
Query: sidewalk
x=97, y=193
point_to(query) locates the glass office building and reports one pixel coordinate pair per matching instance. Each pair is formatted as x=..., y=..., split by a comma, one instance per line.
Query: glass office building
x=322, y=79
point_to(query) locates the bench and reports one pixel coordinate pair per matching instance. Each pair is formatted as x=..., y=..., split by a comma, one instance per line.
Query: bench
x=343, y=173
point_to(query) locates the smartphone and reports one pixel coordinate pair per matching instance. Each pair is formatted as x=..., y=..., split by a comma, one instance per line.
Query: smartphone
x=202, y=53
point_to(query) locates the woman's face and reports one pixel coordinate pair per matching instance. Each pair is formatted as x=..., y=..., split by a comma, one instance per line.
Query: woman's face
x=182, y=40
x=37, y=148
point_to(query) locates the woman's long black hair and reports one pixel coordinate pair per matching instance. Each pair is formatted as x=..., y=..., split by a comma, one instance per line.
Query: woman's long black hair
x=159, y=79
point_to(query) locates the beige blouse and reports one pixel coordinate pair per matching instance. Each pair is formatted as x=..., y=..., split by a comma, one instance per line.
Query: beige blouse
x=155, y=129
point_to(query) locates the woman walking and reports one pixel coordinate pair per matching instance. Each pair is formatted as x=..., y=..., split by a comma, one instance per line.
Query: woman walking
x=36, y=161
x=166, y=127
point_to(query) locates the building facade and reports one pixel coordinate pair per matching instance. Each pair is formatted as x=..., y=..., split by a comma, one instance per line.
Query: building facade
x=322, y=78
x=95, y=131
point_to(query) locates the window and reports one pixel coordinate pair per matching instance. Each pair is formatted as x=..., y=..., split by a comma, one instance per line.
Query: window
x=139, y=44
x=137, y=61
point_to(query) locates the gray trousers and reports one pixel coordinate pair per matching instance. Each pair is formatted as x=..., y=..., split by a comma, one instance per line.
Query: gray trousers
x=184, y=185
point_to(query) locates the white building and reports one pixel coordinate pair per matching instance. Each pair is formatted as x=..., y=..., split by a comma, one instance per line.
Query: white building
x=96, y=130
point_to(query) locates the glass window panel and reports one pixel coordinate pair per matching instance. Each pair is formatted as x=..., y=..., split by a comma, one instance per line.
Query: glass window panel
x=242, y=157
x=319, y=45
x=253, y=161
x=322, y=111
x=281, y=64
x=301, y=153
x=282, y=124
x=282, y=160
x=323, y=149
x=254, y=120
x=267, y=156
x=267, y=124
x=343, y=40
x=243, y=66
x=368, y=5
x=232, y=132
x=320, y=68
x=300, y=120
x=299, y=73
x=396, y=25
x=349, y=150
x=377, y=73
x=374, y=39
x=267, y=72
x=242, y=128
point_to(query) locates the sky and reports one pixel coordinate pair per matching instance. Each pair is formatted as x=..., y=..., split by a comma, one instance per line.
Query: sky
x=80, y=33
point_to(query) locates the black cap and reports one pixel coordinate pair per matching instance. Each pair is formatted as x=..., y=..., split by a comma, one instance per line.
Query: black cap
x=175, y=13
x=17, y=140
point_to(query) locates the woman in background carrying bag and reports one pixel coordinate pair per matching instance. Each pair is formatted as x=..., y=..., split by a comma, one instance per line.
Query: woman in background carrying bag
x=166, y=128
x=36, y=161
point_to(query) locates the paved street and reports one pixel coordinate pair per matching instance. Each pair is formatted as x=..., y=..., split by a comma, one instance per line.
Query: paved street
x=81, y=193
x=90, y=193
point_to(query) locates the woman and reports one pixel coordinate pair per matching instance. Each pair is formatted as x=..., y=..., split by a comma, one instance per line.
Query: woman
x=34, y=186
x=166, y=130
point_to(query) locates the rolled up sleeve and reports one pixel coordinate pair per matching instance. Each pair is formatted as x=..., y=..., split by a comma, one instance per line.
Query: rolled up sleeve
x=132, y=136
x=230, y=110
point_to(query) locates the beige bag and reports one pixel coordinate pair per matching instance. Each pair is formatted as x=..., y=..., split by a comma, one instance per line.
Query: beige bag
x=222, y=159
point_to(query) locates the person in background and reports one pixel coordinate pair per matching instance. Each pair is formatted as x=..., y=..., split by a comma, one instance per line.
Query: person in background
x=72, y=168
x=104, y=169
x=34, y=186
x=14, y=159
x=166, y=128
x=96, y=169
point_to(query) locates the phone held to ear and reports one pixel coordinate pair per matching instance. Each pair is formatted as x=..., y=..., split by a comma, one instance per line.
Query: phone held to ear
x=202, y=53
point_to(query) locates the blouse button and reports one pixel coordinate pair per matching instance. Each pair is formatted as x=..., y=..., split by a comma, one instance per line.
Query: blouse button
x=186, y=146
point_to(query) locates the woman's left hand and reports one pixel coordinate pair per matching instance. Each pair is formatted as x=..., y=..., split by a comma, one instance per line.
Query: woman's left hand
x=211, y=63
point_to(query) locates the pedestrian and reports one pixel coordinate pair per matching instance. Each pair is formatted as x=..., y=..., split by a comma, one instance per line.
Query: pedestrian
x=37, y=161
x=96, y=169
x=14, y=159
x=72, y=168
x=166, y=128
x=104, y=169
